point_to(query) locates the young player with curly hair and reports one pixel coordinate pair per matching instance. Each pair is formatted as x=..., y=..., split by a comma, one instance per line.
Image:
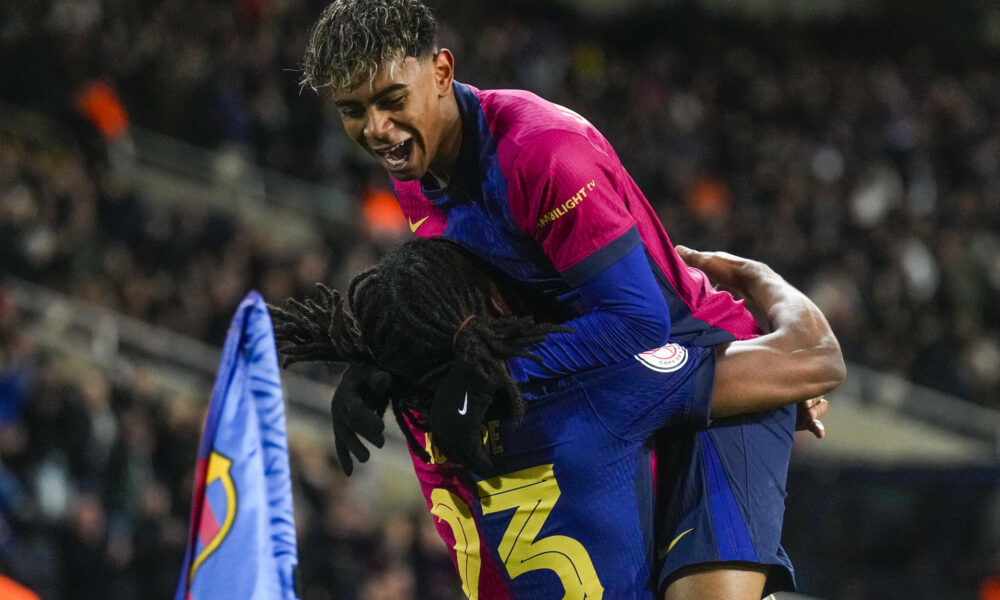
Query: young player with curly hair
x=537, y=192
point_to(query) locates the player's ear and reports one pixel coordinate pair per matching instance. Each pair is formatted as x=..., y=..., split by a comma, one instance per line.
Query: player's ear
x=444, y=71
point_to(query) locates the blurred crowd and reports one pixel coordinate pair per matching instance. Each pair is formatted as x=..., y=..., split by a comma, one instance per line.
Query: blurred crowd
x=96, y=476
x=864, y=168
x=88, y=232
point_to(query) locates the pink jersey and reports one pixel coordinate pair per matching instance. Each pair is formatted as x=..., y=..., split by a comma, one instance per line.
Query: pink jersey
x=539, y=193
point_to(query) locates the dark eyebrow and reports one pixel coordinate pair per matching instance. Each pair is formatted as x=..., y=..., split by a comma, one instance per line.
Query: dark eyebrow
x=375, y=97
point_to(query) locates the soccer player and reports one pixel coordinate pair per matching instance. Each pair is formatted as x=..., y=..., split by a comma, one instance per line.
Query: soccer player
x=536, y=191
x=565, y=508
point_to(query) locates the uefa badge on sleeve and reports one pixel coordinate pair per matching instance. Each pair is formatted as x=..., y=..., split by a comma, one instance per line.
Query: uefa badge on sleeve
x=665, y=359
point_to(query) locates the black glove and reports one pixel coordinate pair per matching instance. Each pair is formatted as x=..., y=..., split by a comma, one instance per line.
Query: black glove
x=459, y=407
x=356, y=409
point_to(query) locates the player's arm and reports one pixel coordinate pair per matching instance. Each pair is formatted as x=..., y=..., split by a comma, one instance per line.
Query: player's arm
x=564, y=193
x=799, y=360
x=627, y=315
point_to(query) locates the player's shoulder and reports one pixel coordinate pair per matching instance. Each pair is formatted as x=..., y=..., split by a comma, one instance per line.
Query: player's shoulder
x=653, y=373
x=523, y=122
x=655, y=367
x=627, y=395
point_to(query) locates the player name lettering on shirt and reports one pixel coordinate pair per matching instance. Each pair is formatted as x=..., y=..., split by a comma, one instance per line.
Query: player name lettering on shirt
x=490, y=432
x=567, y=206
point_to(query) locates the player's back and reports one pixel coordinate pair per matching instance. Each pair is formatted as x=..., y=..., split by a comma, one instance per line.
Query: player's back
x=566, y=510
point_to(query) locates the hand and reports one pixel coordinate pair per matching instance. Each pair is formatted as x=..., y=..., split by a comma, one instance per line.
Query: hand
x=458, y=410
x=356, y=409
x=808, y=416
x=723, y=269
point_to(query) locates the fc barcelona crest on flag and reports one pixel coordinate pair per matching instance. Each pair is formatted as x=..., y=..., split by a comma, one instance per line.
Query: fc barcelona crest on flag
x=218, y=511
x=241, y=542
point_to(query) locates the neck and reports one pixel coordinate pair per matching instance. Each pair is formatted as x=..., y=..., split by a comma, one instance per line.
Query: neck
x=451, y=144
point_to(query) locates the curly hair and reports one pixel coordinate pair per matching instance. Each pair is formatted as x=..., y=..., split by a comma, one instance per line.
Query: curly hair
x=354, y=38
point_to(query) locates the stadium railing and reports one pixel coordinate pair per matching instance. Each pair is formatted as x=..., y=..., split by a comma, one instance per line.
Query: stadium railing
x=253, y=184
x=171, y=172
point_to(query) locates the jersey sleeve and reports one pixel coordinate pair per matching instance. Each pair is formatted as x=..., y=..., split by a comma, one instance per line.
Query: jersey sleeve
x=670, y=386
x=569, y=199
x=566, y=194
x=627, y=314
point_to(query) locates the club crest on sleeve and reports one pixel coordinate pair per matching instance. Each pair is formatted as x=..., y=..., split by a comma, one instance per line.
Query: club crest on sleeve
x=665, y=359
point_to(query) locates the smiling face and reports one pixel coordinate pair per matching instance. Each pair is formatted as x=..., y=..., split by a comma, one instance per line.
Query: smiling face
x=406, y=117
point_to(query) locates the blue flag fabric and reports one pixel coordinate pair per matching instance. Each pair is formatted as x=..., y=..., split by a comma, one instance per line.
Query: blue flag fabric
x=242, y=539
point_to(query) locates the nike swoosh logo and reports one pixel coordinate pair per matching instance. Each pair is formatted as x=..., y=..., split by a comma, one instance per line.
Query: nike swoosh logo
x=465, y=407
x=664, y=553
x=415, y=226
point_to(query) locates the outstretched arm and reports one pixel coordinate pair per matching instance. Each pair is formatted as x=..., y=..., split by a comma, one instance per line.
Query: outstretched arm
x=798, y=361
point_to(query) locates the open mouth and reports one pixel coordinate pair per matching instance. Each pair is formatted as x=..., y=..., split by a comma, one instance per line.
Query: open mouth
x=397, y=156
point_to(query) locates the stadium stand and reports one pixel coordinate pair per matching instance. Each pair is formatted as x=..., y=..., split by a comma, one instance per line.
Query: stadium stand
x=877, y=161
x=864, y=167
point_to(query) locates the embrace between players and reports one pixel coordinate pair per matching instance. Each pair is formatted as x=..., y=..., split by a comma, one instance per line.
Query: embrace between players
x=544, y=339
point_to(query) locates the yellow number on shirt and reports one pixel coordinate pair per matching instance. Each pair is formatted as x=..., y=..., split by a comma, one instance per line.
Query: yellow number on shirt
x=533, y=492
x=452, y=510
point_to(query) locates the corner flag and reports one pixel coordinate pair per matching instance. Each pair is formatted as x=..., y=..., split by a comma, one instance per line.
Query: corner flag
x=241, y=543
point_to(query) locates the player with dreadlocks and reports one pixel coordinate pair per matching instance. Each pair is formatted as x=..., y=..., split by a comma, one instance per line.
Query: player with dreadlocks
x=448, y=314
x=535, y=190
x=570, y=456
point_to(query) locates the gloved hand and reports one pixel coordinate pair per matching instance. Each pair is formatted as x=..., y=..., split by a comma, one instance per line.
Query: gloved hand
x=458, y=409
x=356, y=409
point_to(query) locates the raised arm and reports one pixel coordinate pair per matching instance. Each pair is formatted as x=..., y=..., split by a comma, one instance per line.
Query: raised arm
x=798, y=360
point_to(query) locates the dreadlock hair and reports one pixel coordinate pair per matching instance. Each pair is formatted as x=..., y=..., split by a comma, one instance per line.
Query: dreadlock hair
x=353, y=39
x=412, y=318
x=413, y=310
x=319, y=329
